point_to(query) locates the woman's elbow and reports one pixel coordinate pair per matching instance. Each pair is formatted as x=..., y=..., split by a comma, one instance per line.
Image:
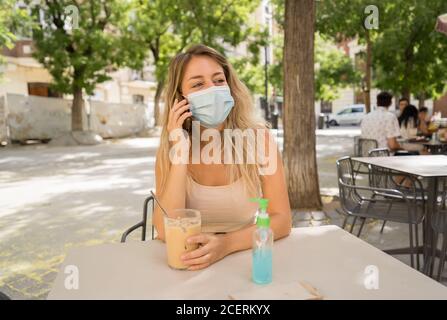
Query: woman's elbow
x=287, y=230
x=285, y=227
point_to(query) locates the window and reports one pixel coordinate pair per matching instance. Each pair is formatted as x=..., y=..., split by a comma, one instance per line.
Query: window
x=42, y=90
x=357, y=110
x=137, y=98
x=346, y=111
x=26, y=49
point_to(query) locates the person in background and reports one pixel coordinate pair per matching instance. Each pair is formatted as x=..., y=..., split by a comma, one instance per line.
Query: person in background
x=409, y=124
x=403, y=102
x=423, y=120
x=382, y=125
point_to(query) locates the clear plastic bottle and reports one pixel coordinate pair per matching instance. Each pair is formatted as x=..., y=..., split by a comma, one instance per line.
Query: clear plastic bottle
x=262, y=245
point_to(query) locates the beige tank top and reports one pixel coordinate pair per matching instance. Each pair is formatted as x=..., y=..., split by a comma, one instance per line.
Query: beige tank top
x=222, y=208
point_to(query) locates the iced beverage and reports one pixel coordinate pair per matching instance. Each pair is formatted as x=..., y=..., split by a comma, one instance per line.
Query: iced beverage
x=181, y=224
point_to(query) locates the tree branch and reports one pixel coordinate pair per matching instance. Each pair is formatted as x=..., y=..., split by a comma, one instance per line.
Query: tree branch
x=103, y=22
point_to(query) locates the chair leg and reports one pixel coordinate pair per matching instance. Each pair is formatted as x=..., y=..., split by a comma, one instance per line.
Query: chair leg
x=361, y=227
x=345, y=221
x=383, y=226
x=384, y=221
x=431, y=260
x=444, y=194
x=353, y=224
x=442, y=257
x=416, y=228
x=411, y=245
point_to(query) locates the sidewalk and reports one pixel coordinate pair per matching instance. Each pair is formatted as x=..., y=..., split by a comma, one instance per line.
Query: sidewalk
x=55, y=198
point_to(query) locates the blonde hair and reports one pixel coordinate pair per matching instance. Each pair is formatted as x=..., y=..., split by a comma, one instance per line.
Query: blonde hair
x=242, y=116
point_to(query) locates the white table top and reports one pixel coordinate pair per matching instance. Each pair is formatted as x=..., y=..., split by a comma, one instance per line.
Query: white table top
x=329, y=258
x=424, y=166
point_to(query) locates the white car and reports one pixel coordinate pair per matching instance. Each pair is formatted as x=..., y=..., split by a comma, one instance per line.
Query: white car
x=348, y=115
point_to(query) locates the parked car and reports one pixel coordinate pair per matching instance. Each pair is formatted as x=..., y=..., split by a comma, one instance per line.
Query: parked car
x=352, y=114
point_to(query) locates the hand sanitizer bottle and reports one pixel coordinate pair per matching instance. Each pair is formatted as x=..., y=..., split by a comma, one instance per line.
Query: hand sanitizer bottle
x=262, y=245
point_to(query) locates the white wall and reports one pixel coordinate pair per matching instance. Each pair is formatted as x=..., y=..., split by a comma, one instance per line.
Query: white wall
x=31, y=117
x=112, y=120
x=3, y=128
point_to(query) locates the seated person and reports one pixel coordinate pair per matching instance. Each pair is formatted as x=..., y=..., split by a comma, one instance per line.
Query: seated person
x=409, y=123
x=203, y=86
x=382, y=125
x=423, y=120
x=403, y=103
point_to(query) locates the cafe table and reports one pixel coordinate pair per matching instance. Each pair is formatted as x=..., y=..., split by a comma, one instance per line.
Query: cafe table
x=331, y=260
x=431, y=168
x=436, y=147
x=433, y=147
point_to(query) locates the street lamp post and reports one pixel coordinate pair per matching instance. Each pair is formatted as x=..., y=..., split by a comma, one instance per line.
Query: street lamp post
x=266, y=64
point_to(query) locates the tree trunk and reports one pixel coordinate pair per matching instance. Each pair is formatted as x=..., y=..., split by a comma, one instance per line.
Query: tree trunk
x=367, y=91
x=77, y=110
x=299, y=106
x=408, y=56
x=157, y=113
x=421, y=100
x=406, y=93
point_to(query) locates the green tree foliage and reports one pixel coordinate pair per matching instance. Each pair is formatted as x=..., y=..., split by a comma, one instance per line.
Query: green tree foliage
x=80, y=42
x=409, y=55
x=81, y=56
x=167, y=27
x=333, y=68
x=345, y=20
x=12, y=21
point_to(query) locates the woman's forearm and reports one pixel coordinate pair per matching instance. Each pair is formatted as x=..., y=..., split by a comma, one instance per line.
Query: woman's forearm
x=243, y=239
x=173, y=195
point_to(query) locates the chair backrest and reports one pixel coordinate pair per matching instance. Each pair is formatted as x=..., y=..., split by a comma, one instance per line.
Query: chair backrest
x=356, y=146
x=378, y=177
x=345, y=173
x=379, y=152
x=365, y=145
x=345, y=170
x=439, y=220
x=142, y=224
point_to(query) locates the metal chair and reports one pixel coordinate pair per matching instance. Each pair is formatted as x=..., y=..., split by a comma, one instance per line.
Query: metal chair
x=362, y=147
x=379, y=152
x=439, y=225
x=379, y=203
x=143, y=223
x=385, y=178
x=444, y=193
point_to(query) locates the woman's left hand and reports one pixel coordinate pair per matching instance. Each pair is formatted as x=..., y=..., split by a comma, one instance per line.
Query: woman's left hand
x=212, y=248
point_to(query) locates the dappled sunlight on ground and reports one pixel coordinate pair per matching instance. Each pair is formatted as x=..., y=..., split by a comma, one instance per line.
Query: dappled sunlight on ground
x=56, y=198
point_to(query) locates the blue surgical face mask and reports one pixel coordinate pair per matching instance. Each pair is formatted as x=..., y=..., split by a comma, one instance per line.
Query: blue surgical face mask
x=211, y=106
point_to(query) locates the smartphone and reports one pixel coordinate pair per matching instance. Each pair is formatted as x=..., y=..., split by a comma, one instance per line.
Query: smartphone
x=187, y=124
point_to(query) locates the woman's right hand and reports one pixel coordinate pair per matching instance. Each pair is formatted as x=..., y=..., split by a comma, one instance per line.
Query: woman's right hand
x=178, y=114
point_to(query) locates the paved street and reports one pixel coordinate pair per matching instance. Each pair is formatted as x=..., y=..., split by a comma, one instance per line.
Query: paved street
x=55, y=198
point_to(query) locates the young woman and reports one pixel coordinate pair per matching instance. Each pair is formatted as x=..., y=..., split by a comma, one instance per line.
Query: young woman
x=409, y=124
x=202, y=86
